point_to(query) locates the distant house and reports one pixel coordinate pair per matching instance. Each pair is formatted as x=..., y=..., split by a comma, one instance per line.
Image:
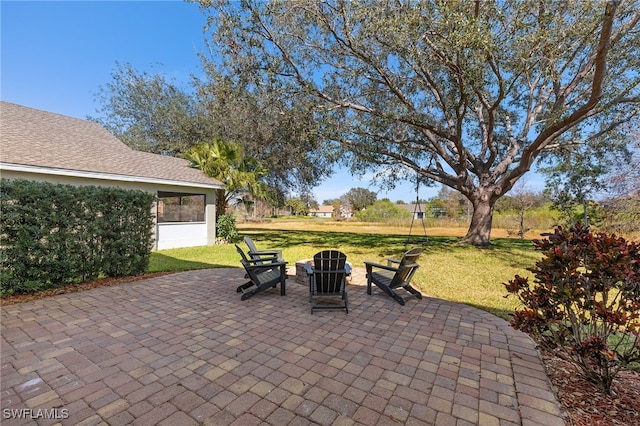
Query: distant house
x=43, y=146
x=322, y=211
x=419, y=211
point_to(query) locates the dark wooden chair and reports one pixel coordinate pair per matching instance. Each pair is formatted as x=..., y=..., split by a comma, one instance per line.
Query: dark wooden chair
x=390, y=278
x=263, y=273
x=327, y=280
x=254, y=253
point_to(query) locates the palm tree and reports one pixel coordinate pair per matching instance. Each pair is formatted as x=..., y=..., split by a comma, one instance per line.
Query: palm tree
x=226, y=162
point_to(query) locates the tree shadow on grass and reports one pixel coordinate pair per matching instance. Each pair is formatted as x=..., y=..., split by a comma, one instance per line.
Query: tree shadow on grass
x=388, y=244
x=518, y=251
x=359, y=243
x=505, y=314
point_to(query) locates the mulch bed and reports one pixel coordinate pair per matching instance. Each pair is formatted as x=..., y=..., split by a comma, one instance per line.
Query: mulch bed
x=73, y=288
x=584, y=404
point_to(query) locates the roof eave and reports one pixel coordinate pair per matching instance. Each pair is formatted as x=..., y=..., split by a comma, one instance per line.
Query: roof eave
x=103, y=176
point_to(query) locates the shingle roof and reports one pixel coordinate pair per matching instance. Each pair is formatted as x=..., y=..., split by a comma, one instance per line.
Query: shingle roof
x=38, y=138
x=414, y=207
x=322, y=209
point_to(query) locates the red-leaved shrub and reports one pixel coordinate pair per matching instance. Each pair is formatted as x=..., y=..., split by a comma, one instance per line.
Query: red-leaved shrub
x=584, y=304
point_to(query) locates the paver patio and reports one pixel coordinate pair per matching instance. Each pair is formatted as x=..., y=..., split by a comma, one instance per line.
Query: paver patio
x=182, y=349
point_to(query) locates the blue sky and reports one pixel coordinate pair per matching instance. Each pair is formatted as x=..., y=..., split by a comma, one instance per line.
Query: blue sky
x=57, y=54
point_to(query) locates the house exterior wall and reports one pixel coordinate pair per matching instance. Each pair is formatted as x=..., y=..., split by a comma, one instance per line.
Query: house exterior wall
x=320, y=214
x=165, y=235
x=176, y=235
x=322, y=211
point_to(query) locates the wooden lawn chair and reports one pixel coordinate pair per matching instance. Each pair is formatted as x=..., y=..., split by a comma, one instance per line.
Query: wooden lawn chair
x=254, y=253
x=327, y=279
x=391, y=278
x=263, y=273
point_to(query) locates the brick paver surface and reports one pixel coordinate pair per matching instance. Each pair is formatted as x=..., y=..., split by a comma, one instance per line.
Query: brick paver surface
x=183, y=349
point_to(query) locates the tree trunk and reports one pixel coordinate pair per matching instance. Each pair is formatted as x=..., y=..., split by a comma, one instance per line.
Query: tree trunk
x=221, y=203
x=586, y=212
x=479, y=233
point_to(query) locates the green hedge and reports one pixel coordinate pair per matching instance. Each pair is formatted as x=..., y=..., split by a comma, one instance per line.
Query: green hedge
x=52, y=235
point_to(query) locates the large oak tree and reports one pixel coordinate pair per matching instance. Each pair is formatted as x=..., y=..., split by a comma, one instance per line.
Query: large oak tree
x=465, y=93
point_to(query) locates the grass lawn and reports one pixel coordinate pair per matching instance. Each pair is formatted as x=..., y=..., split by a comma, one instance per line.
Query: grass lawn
x=451, y=271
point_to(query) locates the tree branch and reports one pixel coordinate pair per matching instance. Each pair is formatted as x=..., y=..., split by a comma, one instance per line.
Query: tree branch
x=556, y=129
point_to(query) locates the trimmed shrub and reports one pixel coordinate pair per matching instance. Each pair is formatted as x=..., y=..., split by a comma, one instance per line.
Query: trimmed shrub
x=226, y=228
x=584, y=305
x=383, y=211
x=53, y=235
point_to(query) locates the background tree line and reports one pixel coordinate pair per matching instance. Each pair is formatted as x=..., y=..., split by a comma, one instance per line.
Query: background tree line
x=521, y=210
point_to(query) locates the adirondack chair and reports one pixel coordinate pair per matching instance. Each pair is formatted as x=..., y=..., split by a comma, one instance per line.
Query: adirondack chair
x=254, y=253
x=390, y=278
x=327, y=280
x=263, y=273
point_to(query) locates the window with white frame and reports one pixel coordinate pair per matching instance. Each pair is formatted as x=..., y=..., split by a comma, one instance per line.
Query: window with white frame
x=180, y=207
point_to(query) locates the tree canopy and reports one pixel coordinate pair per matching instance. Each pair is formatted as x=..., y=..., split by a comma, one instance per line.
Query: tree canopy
x=359, y=198
x=151, y=113
x=468, y=94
